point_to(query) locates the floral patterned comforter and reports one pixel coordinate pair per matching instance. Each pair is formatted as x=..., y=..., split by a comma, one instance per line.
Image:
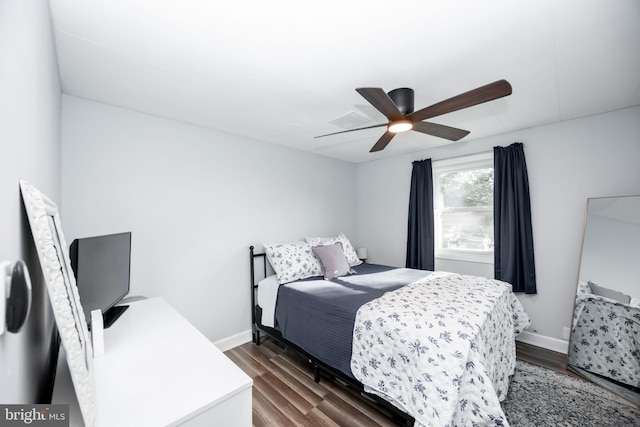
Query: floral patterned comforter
x=605, y=338
x=441, y=349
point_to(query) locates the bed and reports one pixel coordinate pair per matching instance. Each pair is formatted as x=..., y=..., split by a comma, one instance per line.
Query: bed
x=436, y=347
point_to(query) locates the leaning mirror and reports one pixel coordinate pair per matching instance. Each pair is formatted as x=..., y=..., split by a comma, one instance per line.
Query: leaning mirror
x=51, y=247
x=605, y=334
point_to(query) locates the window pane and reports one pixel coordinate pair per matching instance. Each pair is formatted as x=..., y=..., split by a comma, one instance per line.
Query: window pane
x=467, y=230
x=470, y=188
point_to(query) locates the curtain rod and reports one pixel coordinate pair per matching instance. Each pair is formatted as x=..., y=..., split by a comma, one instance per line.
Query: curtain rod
x=465, y=155
x=473, y=154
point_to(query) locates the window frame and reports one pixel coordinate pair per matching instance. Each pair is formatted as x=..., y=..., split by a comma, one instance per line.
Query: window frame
x=458, y=164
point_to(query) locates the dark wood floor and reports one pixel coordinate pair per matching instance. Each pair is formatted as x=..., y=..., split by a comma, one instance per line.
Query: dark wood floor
x=284, y=393
x=543, y=357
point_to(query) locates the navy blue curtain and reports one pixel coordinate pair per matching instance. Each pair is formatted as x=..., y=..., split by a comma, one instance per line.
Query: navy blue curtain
x=513, y=250
x=420, y=244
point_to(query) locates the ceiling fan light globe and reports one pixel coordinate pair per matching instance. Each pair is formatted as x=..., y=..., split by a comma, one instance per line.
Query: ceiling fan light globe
x=400, y=126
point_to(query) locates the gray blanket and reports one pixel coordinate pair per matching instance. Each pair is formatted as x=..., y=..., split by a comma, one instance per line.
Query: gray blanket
x=318, y=317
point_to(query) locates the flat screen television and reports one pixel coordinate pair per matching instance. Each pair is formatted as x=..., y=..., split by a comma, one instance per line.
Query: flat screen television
x=102, y=266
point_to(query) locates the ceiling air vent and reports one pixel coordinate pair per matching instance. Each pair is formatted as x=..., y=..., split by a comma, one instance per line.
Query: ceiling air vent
x=351, y=120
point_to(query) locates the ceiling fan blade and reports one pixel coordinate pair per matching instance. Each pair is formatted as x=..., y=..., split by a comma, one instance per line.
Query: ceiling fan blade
x=441, y=131
x=382, y=142
x=381, y=101
x=351, y=130
x=473, y=97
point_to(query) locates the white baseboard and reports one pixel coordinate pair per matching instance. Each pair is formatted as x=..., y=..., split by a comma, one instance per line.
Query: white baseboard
x=234, y=340
x=553, y=344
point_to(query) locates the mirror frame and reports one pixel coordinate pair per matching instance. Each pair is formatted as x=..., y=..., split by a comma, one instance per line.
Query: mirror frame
x=52, y=249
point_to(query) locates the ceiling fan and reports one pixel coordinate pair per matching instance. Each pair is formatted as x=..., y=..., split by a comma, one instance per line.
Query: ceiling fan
x=397, y=106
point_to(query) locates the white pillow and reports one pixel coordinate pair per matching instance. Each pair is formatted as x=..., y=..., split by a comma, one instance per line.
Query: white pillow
x=347, y=247
x=292, y=261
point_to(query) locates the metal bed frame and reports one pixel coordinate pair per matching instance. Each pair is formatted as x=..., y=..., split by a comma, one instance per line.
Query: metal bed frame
x=319, y=367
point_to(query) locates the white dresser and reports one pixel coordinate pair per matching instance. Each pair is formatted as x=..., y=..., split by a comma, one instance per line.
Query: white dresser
x=158, y=370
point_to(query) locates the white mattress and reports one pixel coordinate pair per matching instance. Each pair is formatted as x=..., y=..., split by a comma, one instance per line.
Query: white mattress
x=267, y=296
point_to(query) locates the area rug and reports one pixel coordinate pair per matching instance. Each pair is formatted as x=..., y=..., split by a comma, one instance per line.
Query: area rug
x=543, y=397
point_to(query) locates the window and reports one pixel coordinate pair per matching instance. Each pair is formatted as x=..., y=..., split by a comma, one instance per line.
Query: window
x=463, y=205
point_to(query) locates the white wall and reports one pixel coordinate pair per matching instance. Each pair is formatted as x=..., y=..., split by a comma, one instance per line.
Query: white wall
x=29, y=149
x=567, y=163
x=195, y=199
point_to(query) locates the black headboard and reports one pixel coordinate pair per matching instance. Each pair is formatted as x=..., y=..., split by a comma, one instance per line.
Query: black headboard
x=254, y=285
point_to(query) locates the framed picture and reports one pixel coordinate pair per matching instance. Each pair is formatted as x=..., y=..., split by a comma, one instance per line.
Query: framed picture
x=53, y=253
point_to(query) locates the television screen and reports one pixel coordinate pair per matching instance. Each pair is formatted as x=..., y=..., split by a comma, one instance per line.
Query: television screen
x=101, y=265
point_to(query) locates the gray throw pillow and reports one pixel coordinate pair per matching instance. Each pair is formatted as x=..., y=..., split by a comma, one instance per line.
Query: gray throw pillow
x=333, y=260
x=609, y=293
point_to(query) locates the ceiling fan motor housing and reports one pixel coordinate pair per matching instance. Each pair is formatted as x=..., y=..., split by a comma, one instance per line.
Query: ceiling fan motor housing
x=403, y=98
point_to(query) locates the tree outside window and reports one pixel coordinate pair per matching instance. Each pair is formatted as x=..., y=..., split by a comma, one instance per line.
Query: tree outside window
x=463, y=193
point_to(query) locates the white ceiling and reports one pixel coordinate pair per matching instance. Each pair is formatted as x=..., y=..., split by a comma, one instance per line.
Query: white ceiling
x=281, y=70
x=625, y=209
